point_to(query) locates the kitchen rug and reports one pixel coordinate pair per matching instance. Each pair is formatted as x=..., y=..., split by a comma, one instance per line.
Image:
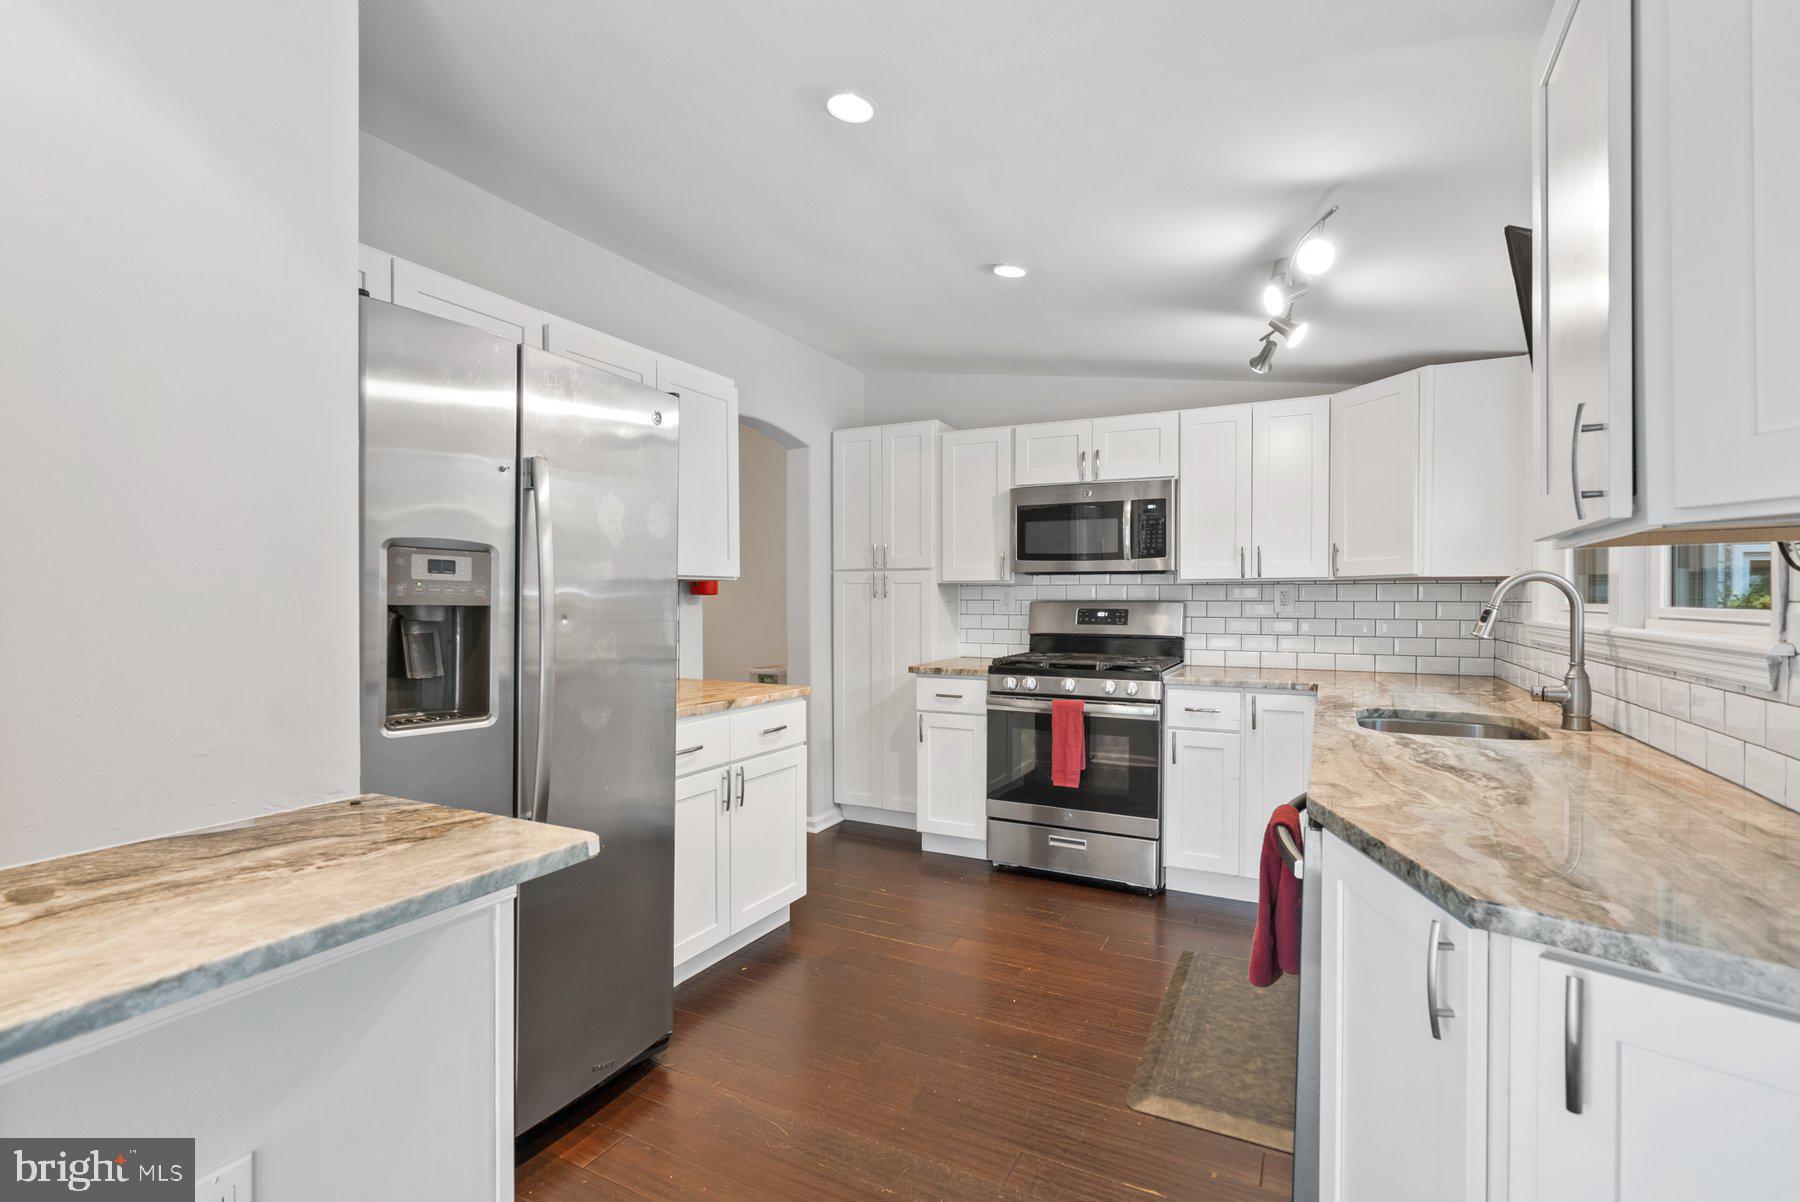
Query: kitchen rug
x=1221, y=1053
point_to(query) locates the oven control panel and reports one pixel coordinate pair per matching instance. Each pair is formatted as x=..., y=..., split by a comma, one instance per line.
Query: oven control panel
x=1116, y=616
x=1150, y=529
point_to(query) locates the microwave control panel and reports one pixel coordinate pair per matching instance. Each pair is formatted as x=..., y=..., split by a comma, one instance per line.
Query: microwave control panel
x=1150, y=529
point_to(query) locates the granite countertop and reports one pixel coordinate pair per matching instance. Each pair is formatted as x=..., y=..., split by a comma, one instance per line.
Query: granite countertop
x=1263, y=679
x=93, y=939
x=695, y=697
x=1594, y=843
x=963, y=665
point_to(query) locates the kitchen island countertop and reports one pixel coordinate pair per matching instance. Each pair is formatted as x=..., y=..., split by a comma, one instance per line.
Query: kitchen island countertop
x=97, y=938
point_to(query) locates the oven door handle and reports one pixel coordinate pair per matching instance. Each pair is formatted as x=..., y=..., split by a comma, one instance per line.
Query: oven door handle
x=1099, y=709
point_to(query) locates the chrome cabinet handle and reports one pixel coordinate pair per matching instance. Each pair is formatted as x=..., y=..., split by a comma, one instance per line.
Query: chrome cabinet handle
x=1259, y=560
x=1002, y=565
x=1096, y=463
x=1081, y=466
x=1174, y=748
x=948, y=696
x=1579, y=493
x=690, y=750
x=1572, y=1044
x=1334, y=559
x=537, y=487
x=874, y=556
x=740, y=788
x=1241, y=574
x=921, y=728
x=1198, y=709
x=775, y=730
x=1253, y=711
x=1435, y=943
x=727, y=790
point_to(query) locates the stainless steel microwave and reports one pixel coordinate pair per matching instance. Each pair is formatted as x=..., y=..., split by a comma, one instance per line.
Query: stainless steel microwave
x=1127, y=526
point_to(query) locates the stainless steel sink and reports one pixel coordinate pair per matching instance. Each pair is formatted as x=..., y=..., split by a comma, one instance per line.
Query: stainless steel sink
x=1445, y=725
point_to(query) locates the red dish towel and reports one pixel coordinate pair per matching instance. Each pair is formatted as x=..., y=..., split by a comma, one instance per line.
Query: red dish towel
x=1068, y=743
x=1275, y=948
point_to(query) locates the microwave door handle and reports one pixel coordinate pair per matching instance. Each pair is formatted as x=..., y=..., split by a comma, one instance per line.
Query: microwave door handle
x=1126, y=550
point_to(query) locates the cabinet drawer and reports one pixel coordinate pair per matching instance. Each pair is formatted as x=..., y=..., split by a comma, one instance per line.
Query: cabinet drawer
x=950, y=694
x=702, y=743
x=1204, y=709
x=767, y=728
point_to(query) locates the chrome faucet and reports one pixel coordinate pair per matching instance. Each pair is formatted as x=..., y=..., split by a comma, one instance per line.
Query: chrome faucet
x=1575, y=693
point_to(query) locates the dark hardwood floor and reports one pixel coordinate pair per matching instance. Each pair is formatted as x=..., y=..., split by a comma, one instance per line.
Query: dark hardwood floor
x=926, y=1028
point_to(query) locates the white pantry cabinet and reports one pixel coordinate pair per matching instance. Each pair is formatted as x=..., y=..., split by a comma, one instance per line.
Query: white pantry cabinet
x=707, y=518
x=885, y=497
x=1290, y=507
x=1137, y=447
x=429, y=291
x=1625, y=1088
x=882, y=624
x=976, y=513
x=1421, y=464
x=1665, y=159
x=740, y=828
x=1213, y=503
x=1403, y=1039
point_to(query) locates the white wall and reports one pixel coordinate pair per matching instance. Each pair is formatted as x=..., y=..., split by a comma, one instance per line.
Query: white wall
x=423, y=213
x=178, y=464
x=746, y=624
x=971, y=401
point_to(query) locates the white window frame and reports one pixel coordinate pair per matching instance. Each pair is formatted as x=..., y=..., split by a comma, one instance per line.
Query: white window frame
x=1751, y=624
x=1550, y=606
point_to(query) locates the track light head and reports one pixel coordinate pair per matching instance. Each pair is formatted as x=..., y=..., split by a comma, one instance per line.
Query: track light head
x=1265, y=358
x=1292, y=332
x=1285, y=286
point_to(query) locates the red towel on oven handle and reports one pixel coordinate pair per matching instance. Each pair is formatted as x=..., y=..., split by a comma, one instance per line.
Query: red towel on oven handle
x=1275, y=948
x=1068, y=743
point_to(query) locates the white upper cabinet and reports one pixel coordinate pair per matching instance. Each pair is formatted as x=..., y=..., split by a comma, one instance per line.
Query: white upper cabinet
x=1290, y=509
x=1214, y=532
x=1053, y=452
x=976, y=513
x=429, y=291
x=1420, y=465
x=708, y=516
x=1664, y=163
x=621, y=358
x=375, y=273
x=885, y=497
x=1145, y=447
x=1375, y=478
x=1141, y=447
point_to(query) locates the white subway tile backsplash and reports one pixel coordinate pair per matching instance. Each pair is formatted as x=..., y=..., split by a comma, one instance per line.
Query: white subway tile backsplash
x=1746, y=718
x=1707, y=707
x=1765, y=772
x=1725, y=757
x=1784, y=727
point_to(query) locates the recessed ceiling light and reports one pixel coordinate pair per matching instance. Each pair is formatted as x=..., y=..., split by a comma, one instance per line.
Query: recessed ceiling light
x=850, y=108
x=1009, y=271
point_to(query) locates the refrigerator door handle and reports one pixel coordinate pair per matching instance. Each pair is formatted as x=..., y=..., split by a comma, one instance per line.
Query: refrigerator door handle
x=537, y=485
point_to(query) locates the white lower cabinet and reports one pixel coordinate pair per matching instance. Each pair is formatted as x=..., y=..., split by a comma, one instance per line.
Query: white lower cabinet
x=1625, y=1088
x=1401, y=1089
x=1202, y=800
x=953, y=775
x=740, y=830
x=1277, y=763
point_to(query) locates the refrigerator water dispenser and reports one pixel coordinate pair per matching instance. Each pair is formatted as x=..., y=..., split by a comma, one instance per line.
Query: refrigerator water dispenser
x=439, y=606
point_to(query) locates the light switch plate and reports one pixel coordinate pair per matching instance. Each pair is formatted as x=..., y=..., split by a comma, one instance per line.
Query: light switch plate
x=229, y=1184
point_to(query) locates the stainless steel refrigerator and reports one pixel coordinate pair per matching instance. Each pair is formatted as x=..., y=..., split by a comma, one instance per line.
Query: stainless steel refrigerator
x=518, y=653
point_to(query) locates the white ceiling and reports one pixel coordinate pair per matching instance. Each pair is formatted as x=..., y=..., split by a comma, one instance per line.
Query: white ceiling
x=1146, y=158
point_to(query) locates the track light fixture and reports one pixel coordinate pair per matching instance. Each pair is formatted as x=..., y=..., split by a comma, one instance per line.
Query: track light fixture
x=1289, y=280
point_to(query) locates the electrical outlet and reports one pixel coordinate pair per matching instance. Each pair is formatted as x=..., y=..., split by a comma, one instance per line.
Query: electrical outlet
x=229, y=1184
x=1284, y=597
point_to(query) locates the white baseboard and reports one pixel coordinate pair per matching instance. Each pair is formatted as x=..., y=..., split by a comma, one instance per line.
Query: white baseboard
x=726, y=947
x=1210, y=884
x=902, y=819
x=952, y=845
x=823, y=822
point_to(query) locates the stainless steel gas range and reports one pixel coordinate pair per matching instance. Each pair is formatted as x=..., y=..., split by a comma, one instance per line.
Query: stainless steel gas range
x=1111, y=657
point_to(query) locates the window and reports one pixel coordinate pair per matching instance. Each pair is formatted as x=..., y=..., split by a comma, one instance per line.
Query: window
x=1717, y=588
x=1589, y=570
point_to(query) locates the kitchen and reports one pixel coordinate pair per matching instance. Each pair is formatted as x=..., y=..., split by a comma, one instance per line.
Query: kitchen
x=1133, y=424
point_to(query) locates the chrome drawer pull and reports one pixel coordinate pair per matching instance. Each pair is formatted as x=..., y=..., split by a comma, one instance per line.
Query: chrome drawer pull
x=1199, y=709
x=775, y=730
x=1435, y=943
x=1572, y=1044
x=691, y=750
x=1065, y=841
x=949, y=696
